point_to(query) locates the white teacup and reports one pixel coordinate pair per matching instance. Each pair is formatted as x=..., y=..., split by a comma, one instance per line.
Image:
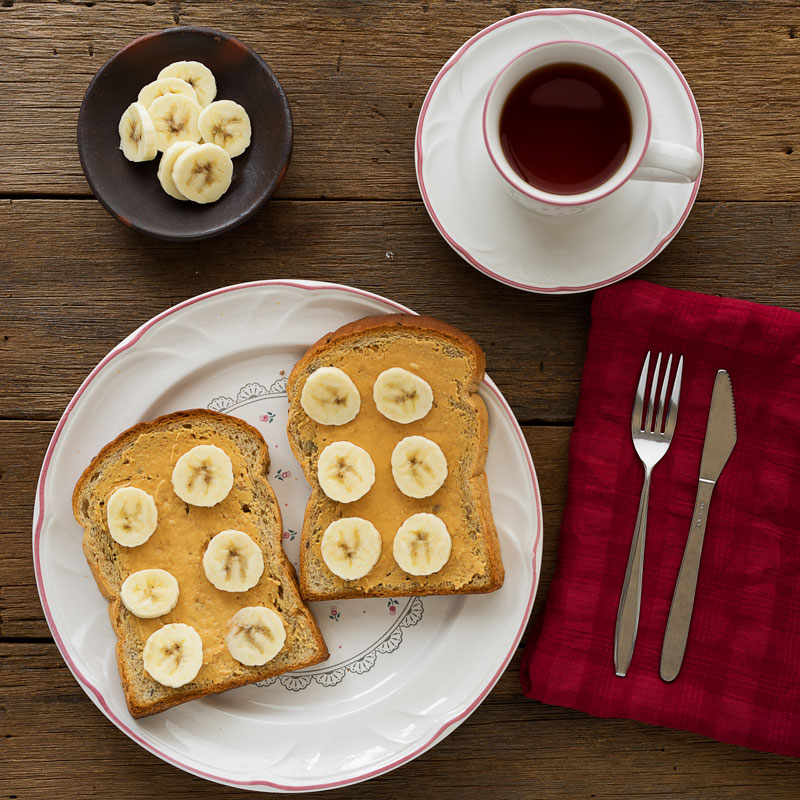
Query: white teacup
x=647, y=158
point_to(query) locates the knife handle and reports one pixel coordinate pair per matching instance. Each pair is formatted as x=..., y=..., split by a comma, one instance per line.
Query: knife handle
x=680, y=613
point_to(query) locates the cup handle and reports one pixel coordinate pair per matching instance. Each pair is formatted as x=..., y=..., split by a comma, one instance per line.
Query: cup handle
x=669, y=162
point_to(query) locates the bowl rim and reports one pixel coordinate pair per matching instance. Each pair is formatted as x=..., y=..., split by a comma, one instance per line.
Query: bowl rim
x=219, y=229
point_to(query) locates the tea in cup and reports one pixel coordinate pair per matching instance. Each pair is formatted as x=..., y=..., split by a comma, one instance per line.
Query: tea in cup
x=568, y=123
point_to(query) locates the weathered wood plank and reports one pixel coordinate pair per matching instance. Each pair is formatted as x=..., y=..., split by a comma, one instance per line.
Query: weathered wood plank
x=21, y=456
x=356, y=74
x=57, y=744
x=75, y=282
x=24, y=445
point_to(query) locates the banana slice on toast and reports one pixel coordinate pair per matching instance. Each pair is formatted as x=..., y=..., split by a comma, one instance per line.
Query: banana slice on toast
x=422, y=544
x=346, y=471
x=233, y=562
x=150, y=593
x=255, y=635
x=173, y=654
x=351, y=547
x=132, y=516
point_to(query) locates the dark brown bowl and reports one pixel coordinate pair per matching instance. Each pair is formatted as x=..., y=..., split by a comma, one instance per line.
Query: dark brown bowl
x=131, y=191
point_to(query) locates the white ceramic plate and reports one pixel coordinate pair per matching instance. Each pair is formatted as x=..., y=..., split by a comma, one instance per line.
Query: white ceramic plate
x=472, y=210
x=403, y=672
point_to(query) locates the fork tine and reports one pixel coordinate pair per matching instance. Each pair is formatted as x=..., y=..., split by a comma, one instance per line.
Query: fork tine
x=672, y=411
x=663, y=397
x=638, y=403
x=653, y=388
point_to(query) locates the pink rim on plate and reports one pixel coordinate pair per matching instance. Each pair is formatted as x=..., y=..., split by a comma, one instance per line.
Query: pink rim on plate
x=460, y=53
x=96, y=694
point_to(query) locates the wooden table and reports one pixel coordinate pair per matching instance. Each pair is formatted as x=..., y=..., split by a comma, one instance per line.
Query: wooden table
x=75, y=282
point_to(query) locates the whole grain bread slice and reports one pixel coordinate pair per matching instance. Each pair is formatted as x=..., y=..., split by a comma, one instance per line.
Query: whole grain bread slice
x=454, y=365
x=251, y=505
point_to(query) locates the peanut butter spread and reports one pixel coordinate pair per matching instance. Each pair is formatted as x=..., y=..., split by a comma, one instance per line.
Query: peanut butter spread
x=452, y=423
x=181, y=537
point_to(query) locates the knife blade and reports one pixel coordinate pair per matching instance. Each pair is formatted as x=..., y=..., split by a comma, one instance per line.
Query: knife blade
x=717, y=447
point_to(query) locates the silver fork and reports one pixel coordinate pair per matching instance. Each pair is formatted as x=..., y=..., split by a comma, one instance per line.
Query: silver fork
x=650, y=443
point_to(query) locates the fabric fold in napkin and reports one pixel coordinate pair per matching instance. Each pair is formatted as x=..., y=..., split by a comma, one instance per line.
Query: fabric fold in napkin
x=740, y=679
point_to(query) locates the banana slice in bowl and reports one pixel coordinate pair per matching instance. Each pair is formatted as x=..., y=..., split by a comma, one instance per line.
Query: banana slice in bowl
x=138, y=138
x=226, y=124
x=175, y=119
x=203, y=173
x=162, y=86
x=165, y=165
x=197, y=75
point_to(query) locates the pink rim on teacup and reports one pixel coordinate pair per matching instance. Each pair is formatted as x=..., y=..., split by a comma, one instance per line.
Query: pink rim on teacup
x=609, y=186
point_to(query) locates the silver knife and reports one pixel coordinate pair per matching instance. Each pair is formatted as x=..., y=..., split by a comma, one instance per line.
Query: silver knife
x=719, y=442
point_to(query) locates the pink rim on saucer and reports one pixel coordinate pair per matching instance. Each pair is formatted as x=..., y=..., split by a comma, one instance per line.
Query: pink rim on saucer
x=96, y=694
x=459, y=54
x=567, y=200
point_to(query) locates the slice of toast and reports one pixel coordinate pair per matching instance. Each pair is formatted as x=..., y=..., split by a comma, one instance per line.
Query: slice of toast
x=453, y=364
x=143, y=457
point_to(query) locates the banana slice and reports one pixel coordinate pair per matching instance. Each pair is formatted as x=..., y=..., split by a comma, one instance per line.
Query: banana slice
x=255, y=635
x=419, y=466
x=132, y=516
x=197, y=75
x=422, y=544
x=233, y=562
x=167, y=163
x=203, y=476
x=345, y=471
x=137, y=134
x=159, y=88
x=402, y=396
x=175, y=119
x=351, y=547
x=203, y=174
x=330, y=397
x=226, y=123
x=173, y=654
x=150, y=593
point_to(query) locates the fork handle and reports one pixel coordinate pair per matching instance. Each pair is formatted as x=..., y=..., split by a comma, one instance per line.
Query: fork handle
x=680, y=612
x=631, y=597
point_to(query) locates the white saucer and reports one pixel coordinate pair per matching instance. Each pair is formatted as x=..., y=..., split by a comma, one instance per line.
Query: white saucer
x=470, y=207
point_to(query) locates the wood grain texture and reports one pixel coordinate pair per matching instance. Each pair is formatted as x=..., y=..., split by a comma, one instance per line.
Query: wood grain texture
x=55, y=743
x=356, y=73
x=76, y=283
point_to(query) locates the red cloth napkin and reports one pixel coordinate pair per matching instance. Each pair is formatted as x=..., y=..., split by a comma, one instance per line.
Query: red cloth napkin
x=740, y=680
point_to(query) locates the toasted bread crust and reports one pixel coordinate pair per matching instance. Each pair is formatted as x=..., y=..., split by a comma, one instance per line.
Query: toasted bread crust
x=99, y=548
x=356, y=332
